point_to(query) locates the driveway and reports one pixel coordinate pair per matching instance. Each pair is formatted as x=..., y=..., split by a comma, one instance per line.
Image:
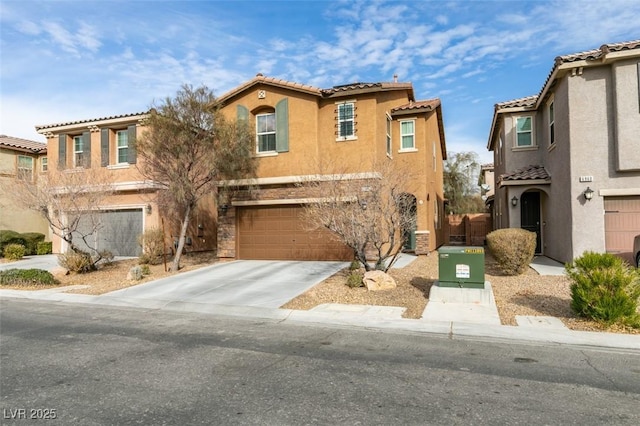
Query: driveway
x=260, y=283
x=46, y=262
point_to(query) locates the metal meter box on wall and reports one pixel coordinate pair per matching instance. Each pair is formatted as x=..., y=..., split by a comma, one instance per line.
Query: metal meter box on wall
x=460, y=266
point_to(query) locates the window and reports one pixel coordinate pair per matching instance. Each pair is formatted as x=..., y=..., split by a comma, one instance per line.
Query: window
x=552, y=134
x=25, y=167
x=266, y=132
x=388, y=136
x=44, y=164
x=78, y=158
x=346, y=120
x=524, y=132
x=122, y=146
x=407, y=135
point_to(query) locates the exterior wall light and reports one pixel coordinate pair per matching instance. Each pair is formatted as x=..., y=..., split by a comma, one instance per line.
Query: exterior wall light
x=148, y=208
x=514, y=201
x=588, y=194
x=363, y=204
x=223, y=209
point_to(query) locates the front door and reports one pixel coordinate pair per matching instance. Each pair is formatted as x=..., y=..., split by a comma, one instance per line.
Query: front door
x=530, y=216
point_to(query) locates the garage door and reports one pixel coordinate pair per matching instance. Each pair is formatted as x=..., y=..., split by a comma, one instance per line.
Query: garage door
x=118, y=232
x=281, y=233
x=621, y=224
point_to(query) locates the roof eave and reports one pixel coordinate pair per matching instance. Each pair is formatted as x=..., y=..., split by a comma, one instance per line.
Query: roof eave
x=83, y=125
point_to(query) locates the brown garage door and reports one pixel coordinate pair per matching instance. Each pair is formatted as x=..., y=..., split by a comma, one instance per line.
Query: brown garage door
x=621, y=224
x=280, y=233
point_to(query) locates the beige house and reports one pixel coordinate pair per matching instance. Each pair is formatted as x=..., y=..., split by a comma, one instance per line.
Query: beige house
x=27, y=159
x=109, y=143
x=303, y=129
x=567, y=160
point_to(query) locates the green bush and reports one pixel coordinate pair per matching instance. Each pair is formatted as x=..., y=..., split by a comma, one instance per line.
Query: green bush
x=145, y=270
x=10, y=237
x=26, y=277
x=44, y=247
x=152, y=242
x=355, y=265
x=355, y=279
x=14, y=251
x=76, y=261
x=513, y=249
x=604, y=288
x=31, y=241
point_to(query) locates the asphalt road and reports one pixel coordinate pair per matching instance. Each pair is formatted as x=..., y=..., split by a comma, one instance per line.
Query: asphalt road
x=94, y=365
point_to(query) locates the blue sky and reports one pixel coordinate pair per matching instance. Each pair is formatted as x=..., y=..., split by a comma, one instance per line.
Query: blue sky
x=72, y=60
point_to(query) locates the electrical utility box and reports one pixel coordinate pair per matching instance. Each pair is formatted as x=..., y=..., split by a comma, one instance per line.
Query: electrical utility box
x=460, y=266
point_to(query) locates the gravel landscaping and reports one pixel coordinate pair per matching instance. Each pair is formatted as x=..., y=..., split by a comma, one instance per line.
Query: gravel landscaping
x=526, y=294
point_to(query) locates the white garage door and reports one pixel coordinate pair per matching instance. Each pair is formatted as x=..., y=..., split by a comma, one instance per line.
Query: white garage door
x=117, y=232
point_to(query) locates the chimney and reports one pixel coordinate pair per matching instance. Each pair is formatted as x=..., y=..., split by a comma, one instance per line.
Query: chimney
x=395, y=78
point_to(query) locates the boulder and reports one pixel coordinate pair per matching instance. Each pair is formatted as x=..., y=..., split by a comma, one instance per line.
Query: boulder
x=135, y=274
x=378, y=280
x=59, y=271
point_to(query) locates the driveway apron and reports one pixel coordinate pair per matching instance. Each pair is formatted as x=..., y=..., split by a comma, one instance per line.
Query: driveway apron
x=261, y=283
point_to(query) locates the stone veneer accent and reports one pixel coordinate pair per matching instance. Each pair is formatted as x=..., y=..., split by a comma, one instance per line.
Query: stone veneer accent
x=422, y=242
x=227, y=233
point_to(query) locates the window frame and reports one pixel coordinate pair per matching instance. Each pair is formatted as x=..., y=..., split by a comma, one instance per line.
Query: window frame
x=516, y=143
x=20, y=171
x=412, y=135
x=76, y=152
x=44, y=164
x=122, y=148
x=268, y=132
x=551, y=120
x=352, y=119
x=389, y=136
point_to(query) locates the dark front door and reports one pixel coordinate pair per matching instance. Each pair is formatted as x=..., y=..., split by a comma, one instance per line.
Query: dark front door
x=530, y=215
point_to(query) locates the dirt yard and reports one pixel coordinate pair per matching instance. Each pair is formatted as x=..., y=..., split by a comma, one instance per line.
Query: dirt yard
x=527, y=294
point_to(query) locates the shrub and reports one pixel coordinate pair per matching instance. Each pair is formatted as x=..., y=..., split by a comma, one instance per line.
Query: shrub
x=135, y=273
x=604, y=288
x=26, y=277
x=76, y=261
x=10, y=237
x=14, y=251
x=513, y=249
x=106, y=257
x=31, y=241
x=355, y=279
x=355, y=265
x=152, y=242
x=44, y=247
x=145, y=270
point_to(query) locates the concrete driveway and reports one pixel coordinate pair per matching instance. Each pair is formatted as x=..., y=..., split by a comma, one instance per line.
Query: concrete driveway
x=259, y=283
x=46, y=262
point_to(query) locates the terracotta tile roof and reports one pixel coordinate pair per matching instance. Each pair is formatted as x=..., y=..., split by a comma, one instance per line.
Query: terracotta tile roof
x=352, y=87
x=527, y=173
x=426, y=105
x=261, y=79
x=92, y=120
x=598, y=53
x=24, y=145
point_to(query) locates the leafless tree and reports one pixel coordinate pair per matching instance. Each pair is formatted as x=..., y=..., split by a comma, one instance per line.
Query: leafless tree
x=188, y=146
x=69, y=200
x=370, y=212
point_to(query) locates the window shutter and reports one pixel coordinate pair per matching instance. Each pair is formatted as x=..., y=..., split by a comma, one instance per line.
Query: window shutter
x=86, y=149
x=131, y=142
x=62, y=152
x=282, y=125
x=242, y=112
x=104, y=147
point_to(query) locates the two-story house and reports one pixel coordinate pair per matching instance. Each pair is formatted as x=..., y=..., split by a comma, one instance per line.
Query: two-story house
x=299, y=130
x=131, y=207
x=27, y=160
x=567, y=160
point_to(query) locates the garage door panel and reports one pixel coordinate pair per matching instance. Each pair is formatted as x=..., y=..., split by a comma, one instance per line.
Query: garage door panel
x=284, y=235
x=621, y=224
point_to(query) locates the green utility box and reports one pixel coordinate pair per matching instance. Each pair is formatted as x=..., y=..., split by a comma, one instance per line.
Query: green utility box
x=461, y=267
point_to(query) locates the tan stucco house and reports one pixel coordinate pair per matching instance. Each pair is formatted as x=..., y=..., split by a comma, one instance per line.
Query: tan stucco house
x=300, y=129
x=567, y=160
x=28, y=160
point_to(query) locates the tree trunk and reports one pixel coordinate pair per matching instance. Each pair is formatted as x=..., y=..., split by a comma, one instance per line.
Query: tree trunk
x=181, y=239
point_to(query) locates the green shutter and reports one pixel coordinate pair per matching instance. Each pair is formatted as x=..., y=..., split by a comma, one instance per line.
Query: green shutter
x=104, y=147
x=131, y=142
x=86, y=149
x=242, y=112
x=282, y=125
x=62, y=152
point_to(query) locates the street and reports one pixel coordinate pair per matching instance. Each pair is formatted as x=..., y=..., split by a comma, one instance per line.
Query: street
x=99, y=365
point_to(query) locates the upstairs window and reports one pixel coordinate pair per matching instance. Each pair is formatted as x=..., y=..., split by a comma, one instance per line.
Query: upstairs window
x=25, y=167
x=266, y=132
x=552, y=134
x=407, y=135
x=524, y=132
x=346, y=120
x=122, y=146
x=78, y=151
x=388, y=135
x=44, y=164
